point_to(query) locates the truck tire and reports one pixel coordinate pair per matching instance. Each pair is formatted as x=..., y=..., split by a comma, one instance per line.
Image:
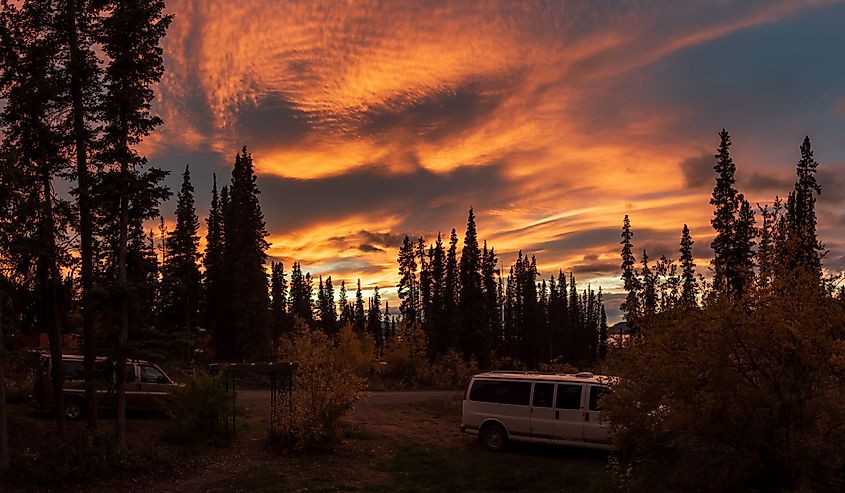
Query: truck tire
x=74, y=408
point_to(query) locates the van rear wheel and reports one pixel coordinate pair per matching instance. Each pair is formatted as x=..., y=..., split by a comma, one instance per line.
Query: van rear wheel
x=74, y=408
x=494, y=437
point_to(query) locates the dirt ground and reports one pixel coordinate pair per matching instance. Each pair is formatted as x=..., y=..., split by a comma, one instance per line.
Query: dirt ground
x=398, y=441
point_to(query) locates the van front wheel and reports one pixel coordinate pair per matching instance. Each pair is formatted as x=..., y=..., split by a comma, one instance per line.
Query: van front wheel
x=494, y=437
x=74, y=408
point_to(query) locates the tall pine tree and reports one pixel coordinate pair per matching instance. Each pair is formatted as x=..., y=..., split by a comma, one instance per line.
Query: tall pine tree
x=130, y=37
x=472, y=334
x=245, y=254
x=689, y=285
x=181, y=279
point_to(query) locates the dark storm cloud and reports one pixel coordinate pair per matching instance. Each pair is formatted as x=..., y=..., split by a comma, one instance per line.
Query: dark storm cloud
x=832, y=180
x=656, y=242
x=274, y=120
x=438, y=115
x=367, y=248
x=698, y=171
x=771, y=183
x=421, y=196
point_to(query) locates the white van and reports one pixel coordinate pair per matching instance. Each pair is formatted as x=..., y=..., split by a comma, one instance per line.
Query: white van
x=535, y=407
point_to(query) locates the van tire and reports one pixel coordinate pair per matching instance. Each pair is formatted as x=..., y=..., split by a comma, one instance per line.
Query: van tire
x=494, y=437
x=74, y=408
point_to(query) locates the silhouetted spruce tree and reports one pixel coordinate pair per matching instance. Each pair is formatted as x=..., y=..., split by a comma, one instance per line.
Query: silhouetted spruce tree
x=631, y=307
x=492, y=322
x=733, y=221
x=424, y=285
x=564, y=343
x=451, y=292
x=576, y=316
x=301, y=294
x=649, y=280
x=435, y=325
x=509, y=317
x=765, y=256
x=215, y=291
x=130, y=38
x=802, y=249
x=328, y=312
x=472, y=334
x=407, y=287
x=743, y=251
x=725, y=203
x=82, y=73
x=542, y=331
x=603, y=334
x=181, y=279
x=689, y=285
x=387, y=330
x=359, y=316
x=374, y=326
x=343, y=307
x=279, y=322
x=246, y=249
x=32, y=91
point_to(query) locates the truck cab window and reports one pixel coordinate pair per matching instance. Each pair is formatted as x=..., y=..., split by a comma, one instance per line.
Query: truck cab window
x=151, y=374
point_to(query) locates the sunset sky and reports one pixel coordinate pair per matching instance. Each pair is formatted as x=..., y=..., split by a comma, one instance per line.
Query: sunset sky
x=369, y=120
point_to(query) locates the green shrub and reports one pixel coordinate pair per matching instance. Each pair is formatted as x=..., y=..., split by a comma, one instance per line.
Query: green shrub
x=326, y=387
x=198, y=410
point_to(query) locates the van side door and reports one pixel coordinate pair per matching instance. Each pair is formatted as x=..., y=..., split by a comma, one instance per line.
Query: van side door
x=594, y=431
x=569, y=413
x=542, y=410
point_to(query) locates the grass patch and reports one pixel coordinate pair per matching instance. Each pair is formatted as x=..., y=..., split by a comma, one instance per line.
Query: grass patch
x=423, y=469
x=361, y=434
x=441, y=407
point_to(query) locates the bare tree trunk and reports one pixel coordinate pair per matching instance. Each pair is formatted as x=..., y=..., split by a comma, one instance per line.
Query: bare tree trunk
x=50, y=285
x=4, y=431
x=120, y=421
x=85, y=223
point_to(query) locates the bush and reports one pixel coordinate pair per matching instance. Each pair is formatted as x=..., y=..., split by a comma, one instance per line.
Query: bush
x=451, y=371
x=737, y=396
x=326, y=387
x=406, y=363
x=198, y=410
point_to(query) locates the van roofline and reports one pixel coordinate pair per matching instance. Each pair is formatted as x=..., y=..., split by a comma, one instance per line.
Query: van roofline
x=549, y=376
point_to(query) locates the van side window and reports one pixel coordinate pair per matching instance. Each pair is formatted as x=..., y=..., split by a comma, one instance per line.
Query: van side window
x=543, y=394
x=568, y=396
x=501, y=392
x=596, y=394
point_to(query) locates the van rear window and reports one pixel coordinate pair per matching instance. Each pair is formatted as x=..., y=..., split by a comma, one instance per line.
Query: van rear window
x=501, y=392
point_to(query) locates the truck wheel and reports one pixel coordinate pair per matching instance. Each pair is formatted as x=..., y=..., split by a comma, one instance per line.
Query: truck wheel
x=494, y=437
x=74, y=408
